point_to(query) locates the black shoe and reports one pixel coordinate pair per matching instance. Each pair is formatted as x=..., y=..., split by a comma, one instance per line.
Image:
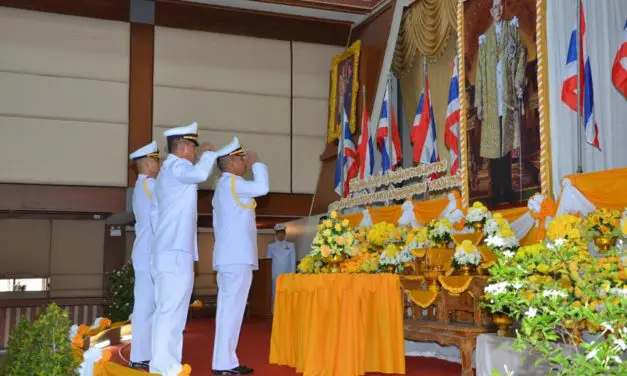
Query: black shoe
x=140, y=365
x=240, y=370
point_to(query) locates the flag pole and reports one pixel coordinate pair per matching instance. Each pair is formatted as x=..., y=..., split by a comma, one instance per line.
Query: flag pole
x=363, y=112
x=341, y=154
x=424, y=90
x=579, y=93
x=388, y=88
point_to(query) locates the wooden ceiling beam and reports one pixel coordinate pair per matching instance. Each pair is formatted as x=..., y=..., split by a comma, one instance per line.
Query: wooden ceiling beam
x=203, y=17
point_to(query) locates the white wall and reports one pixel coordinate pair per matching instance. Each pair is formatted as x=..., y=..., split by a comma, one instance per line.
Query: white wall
x=241, y=86
x=63, y=94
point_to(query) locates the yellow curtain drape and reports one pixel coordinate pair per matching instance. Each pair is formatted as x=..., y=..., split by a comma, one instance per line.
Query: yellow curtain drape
x=605, y=189
x=425, y=29
x=389, y=214
x=428, y=210
x=354, y=219
x=338, y=324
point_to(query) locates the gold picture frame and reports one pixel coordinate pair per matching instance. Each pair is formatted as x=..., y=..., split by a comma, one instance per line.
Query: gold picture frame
x=544, y=126
x=349, y=59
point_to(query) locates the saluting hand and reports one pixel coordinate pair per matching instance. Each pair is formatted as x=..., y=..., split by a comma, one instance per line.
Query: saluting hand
x=207, y=147
x=251, y=158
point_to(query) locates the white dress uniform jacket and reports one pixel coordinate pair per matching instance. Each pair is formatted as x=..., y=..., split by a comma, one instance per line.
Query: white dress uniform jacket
x=235, y=256
x=145, y=210
x=175, y=249
x=234, y=218
x=283, y=255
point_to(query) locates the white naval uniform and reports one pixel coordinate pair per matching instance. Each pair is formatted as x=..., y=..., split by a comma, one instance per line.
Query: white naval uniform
x=145, y=210
x=283, y=255
x=235, y=256
x=175, y=249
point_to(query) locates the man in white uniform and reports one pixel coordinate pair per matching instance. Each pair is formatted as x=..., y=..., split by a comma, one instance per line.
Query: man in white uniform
x=235, y=253
x=175, y=247
x=283, y=255
x=146, y=160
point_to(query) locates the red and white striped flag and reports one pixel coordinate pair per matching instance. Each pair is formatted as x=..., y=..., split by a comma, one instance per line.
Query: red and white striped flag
x=451, y=132
x=578, y=54
x=619, y=69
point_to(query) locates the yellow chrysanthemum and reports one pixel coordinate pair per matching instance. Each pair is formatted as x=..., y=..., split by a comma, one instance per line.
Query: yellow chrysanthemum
x=345, y=223
x=328, y=223
x=338, y=227
x=306, y=265
x=333, y=215
x=326, y=233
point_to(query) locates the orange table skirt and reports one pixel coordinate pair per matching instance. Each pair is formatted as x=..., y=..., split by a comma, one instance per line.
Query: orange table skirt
x=338, y=324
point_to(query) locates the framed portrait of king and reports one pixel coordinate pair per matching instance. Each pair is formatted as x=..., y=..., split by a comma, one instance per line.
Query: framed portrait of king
x=503, y=120
x=343, y=92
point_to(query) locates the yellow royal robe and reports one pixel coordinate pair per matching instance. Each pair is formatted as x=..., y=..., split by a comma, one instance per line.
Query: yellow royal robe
x=495, y=143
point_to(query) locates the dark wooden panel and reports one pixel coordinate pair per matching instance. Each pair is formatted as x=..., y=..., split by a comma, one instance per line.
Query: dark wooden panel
x=58, y=198
x=273, y=204
x=114, y=251
x=350, y=6
x=263, y=223
x=260, y=296
x=373, y=34
x=117, y=10
x=142, y=44
x=203, y=17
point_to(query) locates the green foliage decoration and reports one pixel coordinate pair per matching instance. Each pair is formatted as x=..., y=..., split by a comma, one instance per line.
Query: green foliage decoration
x=119, y=293
x=42, y=348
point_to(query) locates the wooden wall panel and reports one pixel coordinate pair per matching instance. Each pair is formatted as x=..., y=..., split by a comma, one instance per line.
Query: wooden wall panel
x=55, y=198
x=203, y=17
x=140, y=89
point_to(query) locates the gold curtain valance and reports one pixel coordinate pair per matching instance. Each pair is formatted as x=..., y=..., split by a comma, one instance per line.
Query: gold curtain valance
x=425, y=29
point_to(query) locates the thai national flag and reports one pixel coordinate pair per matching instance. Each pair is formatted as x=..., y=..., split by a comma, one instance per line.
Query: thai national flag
x=569, y=87
x=451, y=132
x=391, y=155
x=619, y=69
x=346, y=166
x=365, y=149
x=423, y=130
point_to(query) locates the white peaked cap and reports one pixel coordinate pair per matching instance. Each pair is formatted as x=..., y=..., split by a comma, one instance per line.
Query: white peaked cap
x=147, y=150
x=279, y=227
x=233, y=148
x=189, y=132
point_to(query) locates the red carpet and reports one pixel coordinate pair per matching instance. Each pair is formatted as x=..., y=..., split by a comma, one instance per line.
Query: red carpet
x=254, y=350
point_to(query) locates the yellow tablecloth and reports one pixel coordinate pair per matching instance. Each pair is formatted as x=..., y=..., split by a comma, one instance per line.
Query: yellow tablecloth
x=338, y=324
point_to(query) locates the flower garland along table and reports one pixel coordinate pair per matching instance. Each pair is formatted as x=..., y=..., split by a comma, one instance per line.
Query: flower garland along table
x=338, y=324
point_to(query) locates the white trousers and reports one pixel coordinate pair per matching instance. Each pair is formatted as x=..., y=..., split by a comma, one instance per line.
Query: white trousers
x=143, y=308
x=233, y=287
x=173, y=273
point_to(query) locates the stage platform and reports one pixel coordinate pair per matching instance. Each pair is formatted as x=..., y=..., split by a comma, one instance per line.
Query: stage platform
x=254, y=348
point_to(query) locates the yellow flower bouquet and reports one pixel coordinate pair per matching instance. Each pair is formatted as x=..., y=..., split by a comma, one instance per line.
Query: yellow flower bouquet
x=603, y=222
x=466, y=254
x=566, y=228
x=333, y=242
x=439, y=232
x=477, y=215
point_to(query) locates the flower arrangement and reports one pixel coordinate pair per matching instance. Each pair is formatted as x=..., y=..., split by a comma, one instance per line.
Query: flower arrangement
x=393, y=258
x=383, y=233
x=557, y=290
x=603, y=223
x=477, y=215
x=119, y=293
x=334, y=238
x=439, y=232
x=499, y=234
x=567, y=227
x=417, y=239
x=466, y=254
